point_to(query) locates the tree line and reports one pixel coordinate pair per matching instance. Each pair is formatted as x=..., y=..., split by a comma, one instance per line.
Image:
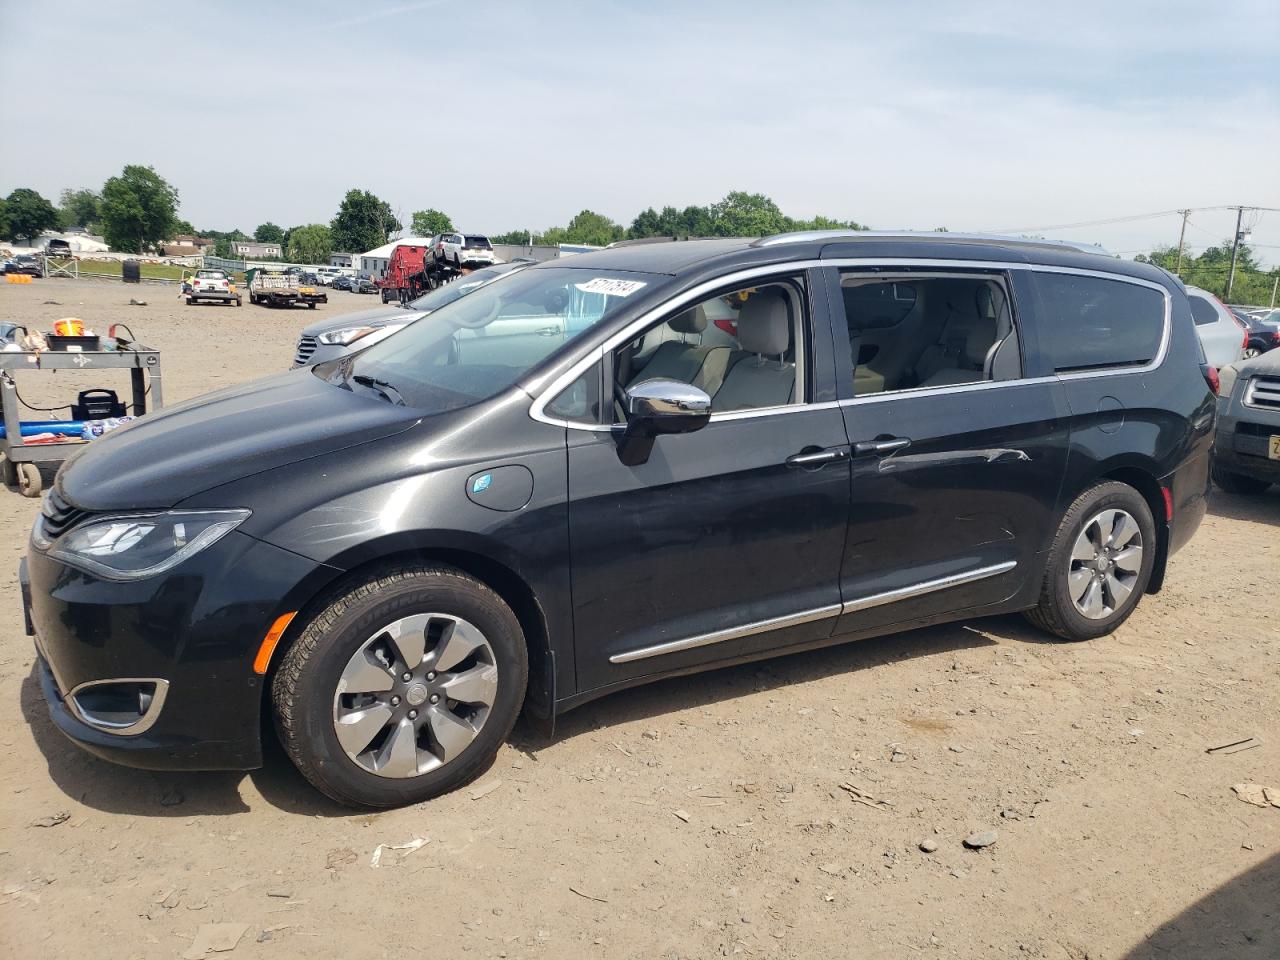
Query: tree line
x=137, y=210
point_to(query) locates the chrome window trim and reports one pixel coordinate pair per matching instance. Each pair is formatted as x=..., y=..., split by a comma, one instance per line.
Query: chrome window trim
x=733, y=633
x=546, y=393
x=927, y=586
x=139, y=726
x=818, y=613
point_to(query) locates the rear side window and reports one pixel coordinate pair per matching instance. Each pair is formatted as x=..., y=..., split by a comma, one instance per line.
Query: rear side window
x=1092, y=323
x=1202, y=310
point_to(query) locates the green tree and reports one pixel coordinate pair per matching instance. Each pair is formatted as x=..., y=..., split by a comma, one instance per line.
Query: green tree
x=591, y=228
x=4, y=218
x=268, y=233
x=138, y=209
x=29, y=214
x=80, y=208
x=310, y=244
x=742, y=214
x=427, y=223
x=823, y=223
x=513, y=237
x=362, y=222
x=183, y=228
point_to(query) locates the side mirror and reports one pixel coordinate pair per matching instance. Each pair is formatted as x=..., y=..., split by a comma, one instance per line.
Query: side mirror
x=658, y=406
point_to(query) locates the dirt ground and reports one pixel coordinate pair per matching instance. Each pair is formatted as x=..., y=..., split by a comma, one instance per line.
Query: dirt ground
x=773, y=810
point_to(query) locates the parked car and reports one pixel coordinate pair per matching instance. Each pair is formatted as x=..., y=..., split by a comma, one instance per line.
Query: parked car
x=1247, y=445
x=363, y=284
x=341, y=282
x=462, y=248
x=1264, y=333
x=309, y=278
x=1222, y=335
x=213, y=285
x=551, y=489
x=25, y=263
x=325, y=275
x=336, y=336
x=59, y=249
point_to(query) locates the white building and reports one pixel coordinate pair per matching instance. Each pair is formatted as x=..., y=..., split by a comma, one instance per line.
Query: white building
x=375, y=262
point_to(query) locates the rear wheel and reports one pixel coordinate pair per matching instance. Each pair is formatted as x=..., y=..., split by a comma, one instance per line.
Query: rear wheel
x=1238, y=483
x=402, y=688
x=29, y=481
x=1251, y=352
x=1099, y=565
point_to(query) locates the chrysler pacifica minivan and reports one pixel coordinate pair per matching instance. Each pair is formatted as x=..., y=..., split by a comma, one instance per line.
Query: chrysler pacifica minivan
x=624, y=465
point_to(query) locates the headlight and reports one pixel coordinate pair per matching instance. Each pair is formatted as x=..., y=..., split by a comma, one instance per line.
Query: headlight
x=134, y=548
x=1226, y=380
x=344, y=336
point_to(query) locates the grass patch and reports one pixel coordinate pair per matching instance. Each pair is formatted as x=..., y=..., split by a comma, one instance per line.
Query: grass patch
x=150, y=271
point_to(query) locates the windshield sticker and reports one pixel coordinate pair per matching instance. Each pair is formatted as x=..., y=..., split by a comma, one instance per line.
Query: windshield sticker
x=611, y=288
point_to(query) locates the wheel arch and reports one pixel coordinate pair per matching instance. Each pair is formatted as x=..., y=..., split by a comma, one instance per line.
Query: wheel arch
x=540, y=694
x=1142, y=477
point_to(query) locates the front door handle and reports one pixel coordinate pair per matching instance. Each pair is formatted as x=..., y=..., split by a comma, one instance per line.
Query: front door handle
x=880, y=448
x=812, y=457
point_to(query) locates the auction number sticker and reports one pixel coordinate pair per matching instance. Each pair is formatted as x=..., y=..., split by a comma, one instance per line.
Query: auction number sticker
x=611, y=288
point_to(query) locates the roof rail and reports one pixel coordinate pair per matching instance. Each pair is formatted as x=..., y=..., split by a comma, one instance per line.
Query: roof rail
x=806, y=236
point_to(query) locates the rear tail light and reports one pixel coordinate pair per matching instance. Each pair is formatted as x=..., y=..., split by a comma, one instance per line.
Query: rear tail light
x=728, y=326
x=1211, y=377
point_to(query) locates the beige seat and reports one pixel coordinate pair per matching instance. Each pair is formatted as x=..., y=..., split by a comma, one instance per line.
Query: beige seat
x=704, y=367
x=759, y=373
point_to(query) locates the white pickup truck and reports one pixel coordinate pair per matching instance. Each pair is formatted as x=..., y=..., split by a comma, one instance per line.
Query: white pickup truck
x=212, y=285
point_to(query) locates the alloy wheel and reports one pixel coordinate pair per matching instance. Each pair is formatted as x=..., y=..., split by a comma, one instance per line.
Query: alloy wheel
x=415, y=695
x=1105, y=563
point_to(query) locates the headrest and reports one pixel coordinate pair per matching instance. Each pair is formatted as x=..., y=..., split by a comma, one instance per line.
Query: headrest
x=763, y=324
x=691, y=321
x=981, y=335
x=982, y=300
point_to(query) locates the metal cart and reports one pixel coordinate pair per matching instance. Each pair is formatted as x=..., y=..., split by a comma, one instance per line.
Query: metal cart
x=20, y=459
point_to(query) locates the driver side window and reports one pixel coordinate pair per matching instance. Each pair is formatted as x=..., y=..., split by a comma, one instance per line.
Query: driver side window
x=744, y=348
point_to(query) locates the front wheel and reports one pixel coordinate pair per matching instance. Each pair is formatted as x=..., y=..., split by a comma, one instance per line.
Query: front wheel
x=1238, y=483
x=402, y=688
x=1099, y=565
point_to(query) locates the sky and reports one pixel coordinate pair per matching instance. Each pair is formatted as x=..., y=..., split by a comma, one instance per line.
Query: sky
x=981, y=116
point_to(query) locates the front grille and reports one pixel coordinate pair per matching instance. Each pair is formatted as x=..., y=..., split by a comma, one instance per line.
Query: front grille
x=306, y=347
x=59, y=514
x=1263, y=392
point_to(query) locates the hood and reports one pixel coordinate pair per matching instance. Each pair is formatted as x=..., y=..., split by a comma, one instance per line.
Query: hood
x=1264, y=364
x=167, y=456
x=377, y=317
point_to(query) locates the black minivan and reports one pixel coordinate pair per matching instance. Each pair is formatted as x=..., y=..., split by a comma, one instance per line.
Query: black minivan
x=610, y=468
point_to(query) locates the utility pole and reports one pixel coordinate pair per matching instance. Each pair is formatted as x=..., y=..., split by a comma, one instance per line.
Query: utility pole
x=1275, y=284
x=1235, y=248
x=1182, y=239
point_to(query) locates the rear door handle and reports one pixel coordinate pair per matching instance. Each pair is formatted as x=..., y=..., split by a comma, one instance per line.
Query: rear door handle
x=880, y=448
x=816, y=458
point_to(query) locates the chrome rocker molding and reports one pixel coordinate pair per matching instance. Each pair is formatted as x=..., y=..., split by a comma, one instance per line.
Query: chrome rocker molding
x=820, y=613
x=133, y=729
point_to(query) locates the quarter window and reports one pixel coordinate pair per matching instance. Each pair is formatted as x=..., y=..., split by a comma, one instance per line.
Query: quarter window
x=743, y=347
x=1202, y=311
x=1091, y=322
x=928, y=331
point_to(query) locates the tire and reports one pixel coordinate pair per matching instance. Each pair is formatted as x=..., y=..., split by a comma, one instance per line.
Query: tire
x=1238, y=483
x=191, y=301
x=311, y=305
x=29, y=480
x=1056, y=611
x=355, y=624
x=1251, y=351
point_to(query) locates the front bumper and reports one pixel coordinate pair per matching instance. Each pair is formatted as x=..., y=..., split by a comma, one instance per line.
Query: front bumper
x=197, y=627
x=1243, y=438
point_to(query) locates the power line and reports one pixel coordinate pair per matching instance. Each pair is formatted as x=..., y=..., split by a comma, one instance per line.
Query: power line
x=1128, y=219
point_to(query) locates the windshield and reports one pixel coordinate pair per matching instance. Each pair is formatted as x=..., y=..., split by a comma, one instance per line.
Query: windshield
x=458, y=289
x=478, y=345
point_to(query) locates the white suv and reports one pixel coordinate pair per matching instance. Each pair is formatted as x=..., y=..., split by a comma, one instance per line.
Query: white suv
x=460, y=248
